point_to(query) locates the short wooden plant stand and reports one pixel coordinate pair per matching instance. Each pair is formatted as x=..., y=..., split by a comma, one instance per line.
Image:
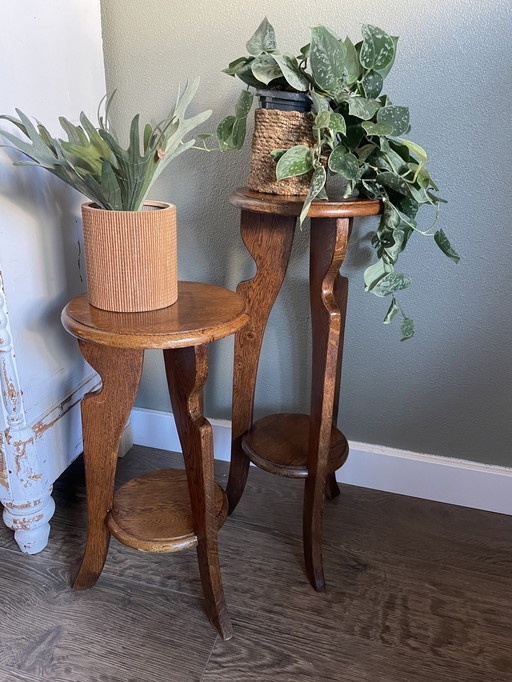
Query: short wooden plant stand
x=294, y=445
x=161, y=511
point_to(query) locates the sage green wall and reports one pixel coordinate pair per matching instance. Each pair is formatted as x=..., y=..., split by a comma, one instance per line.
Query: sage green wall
x=447, y=391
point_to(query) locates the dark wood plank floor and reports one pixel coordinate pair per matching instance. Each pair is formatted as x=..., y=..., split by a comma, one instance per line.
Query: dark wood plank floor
x=416, y=592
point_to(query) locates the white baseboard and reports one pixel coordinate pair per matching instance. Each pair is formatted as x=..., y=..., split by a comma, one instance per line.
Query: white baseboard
x=430, y=477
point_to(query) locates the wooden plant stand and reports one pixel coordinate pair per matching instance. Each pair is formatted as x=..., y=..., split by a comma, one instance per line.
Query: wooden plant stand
x=294, y=445
x=162, y=511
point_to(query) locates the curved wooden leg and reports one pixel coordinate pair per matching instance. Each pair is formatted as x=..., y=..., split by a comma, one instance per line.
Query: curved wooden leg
x=329, y=240
x=187, y=369
x=268, y=239
x=104, y=415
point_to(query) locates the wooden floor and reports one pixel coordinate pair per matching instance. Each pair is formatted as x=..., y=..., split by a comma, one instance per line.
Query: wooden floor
x=417, y=592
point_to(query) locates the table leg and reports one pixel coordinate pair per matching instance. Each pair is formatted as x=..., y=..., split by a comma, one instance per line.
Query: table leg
x=187, y=369
x=329, y=240
x=268, y=239
x=104, y=416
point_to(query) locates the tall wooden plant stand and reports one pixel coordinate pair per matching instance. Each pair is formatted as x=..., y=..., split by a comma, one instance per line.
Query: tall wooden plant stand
x=169, y=510
x=294, y=445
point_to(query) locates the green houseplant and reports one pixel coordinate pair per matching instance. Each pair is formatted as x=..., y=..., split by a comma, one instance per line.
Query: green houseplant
x=357, y=134
x=130, y=243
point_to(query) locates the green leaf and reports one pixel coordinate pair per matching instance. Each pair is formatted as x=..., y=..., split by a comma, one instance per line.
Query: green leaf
x=418, y=151
x=305, y=52
x=296, y=161
x=319, y=103
x=238, y=134
x=246, y=75
x=265, y=69
x=322, y=119
x=315, y=189
x=372, y=83
x=353, y=136
x=378, y=49
x=385, y=70
x=398, y=117
x=392, y=311
x=377, y=128
x=394, y=182
x=291, y=71
x=343, y=162
x=442, y=241
x=235, y=65
x=224, y=132
x=244, y=104
x=362, y=108
x=352, y=66
x=276, y=154
x=337, y=123
x=263, y=39
x=407, y=329
x=393, y=281
x=327, y=58
x=374, y=273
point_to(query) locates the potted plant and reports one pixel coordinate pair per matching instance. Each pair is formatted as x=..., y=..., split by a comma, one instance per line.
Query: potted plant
x=130, y=242
x=343, y=126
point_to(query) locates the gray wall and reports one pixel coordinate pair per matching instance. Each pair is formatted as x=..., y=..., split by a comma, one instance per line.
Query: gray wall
x=445, y=392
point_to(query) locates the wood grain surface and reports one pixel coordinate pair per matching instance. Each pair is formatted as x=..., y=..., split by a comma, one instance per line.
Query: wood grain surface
x=186, y=370
x=152, y=512
x=268, y=239
x=418, y=591
x=104, y=416
x=202, y=313
x=276, y=204
x=278, y=443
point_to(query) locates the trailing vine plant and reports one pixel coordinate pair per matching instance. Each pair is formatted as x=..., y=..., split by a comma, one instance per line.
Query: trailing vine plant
x=358, y=134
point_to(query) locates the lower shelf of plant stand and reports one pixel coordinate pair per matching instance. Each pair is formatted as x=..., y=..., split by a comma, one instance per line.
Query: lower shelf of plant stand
x=152, y=512
x=279, y=443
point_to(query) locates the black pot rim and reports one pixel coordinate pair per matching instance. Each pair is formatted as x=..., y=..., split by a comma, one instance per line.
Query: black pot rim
x=284, y=94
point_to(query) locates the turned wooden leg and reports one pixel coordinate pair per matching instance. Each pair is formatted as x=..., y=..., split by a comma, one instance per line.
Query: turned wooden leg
x=329, y=239
x=104, y=416
x=187, y=369
x=268, y=239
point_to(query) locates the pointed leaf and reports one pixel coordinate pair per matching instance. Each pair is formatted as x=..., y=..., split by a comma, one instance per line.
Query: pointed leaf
x=407, y=329
x=362, y=108
x=343, y=162
x=291, y=71
x=352, y=66
x=377, y=128
x=327, y=58
x=244, y=104
x=296, y=161
x=393, y=281
x=265, y=69
x=392, y=311
x=337, y=123
x=372, y=83
x=442, y=241
x=315, y=189
x=398, y=117
x=319, y=103
x=378, y=49
x=374, y=273
x=263, y=39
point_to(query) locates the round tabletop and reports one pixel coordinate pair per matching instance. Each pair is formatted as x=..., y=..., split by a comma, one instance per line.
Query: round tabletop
x=279, y=204
x=202, y=313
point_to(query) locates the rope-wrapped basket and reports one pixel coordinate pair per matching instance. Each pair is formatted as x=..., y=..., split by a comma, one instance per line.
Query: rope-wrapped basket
x=275, y=129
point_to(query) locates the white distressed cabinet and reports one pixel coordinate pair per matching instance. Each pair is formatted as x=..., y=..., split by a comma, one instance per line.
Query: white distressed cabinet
x=51, y=63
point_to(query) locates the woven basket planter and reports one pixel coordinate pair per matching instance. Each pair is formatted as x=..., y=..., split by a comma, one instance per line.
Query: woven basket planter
x=274, y=129
x=131, y=257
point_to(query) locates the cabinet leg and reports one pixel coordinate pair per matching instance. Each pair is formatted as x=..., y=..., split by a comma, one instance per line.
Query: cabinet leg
x=104, y=415
x=30, y=521
x=268, y=239
x=186, y=370
x=329, y=240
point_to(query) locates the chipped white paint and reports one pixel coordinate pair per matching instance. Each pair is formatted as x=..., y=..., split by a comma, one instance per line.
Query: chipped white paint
x=42, y=374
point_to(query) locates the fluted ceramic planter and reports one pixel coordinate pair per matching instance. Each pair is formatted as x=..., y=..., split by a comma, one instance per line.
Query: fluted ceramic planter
x=131, y=257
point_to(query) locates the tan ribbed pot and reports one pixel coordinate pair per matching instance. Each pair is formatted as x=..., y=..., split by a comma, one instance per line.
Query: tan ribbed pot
x=131, y=257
